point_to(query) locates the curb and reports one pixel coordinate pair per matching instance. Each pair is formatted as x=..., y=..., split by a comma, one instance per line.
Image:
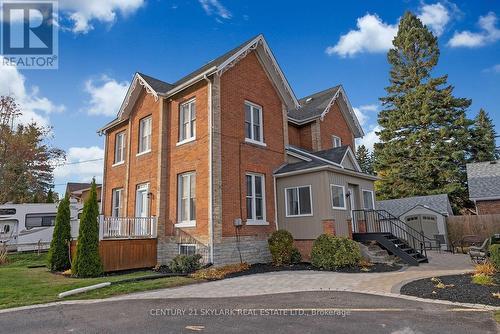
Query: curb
x=84, y=289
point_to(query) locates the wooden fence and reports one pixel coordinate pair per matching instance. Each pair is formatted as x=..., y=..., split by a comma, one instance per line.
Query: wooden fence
x=125, y=254
x=482, y=225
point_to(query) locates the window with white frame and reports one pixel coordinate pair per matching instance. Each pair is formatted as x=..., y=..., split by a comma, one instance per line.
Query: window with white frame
x=338, y=196
x=120, y=147
x=298, y=201
x=336, y=141
x=116, y=210
x=187, y=121
x=253, y=123
x=368, y=201
x=255, y=199
x=187, y=199
x=145, y=127
x=142, y=200
x=187, y=249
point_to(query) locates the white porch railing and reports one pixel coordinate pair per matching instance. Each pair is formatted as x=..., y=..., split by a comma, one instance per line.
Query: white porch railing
x=127, y=227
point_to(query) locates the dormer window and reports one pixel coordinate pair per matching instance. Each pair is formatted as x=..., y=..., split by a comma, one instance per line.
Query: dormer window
x=336, y=141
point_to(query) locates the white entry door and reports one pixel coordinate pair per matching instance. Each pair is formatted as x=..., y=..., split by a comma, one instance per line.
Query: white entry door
x=141, y=209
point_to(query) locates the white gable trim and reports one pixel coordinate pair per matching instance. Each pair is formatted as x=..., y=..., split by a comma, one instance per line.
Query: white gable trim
x=133, y=93
x=353, y=158
x=298, y=156
x=281, y=80
x=350, y=116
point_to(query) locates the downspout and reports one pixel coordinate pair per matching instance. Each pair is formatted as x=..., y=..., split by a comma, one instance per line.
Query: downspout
x=101, y=211
x=275, y=203
x=210, y=176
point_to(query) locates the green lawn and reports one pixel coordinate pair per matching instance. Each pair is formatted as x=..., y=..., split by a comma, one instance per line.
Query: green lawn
x=21, y=285
x=497, y=316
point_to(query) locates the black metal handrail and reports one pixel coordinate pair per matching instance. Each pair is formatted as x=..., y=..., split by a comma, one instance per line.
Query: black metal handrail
x=384, y=221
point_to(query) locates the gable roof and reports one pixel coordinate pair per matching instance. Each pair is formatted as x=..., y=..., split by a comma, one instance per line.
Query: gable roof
x=484, y=180
x=317, y=105
x=219, y=65
x=313, y=160
x=397, y=207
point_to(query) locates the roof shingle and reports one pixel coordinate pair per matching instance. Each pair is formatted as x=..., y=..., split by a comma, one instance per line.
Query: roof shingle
x=484, y=179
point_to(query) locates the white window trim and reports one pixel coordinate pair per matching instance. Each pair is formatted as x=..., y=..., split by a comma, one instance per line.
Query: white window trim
x=193, y=137
x=139, y=153
x=120, y=208
x=262, y=221
x=122, y=161
x=372, y=196
x=298, y=196
x=261, y=128
x=331, y=197
x=141, y=186
x=186, y=223
x=333, y=140
x=189, y=245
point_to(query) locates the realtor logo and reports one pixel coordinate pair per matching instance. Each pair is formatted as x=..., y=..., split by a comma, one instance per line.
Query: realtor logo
x=29, y=34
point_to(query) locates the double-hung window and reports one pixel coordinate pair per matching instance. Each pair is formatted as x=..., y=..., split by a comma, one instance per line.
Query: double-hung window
x=145, y=127
x=368, y=201
x=254, y=131
x=338, y=196
x=120, y=147
x=255, y=199
x=116, y=210
x=336, y=141
x=187, y=121
x=298, y=201
x=186, y=199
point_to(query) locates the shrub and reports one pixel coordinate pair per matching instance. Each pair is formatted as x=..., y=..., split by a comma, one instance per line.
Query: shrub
x=485, y=268
x=495, y=255
x=185, y=263
x=220, y=272
x=281, y=247
x=482, y=279
x=330, y=252
x=87, y=262
x=296, y=257
x=58, y=257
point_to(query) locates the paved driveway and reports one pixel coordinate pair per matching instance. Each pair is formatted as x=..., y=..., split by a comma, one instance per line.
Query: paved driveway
x=295, y=281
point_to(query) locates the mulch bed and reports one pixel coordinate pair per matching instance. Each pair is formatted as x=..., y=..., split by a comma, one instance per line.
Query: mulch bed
x=260, y=268
x=463, y=291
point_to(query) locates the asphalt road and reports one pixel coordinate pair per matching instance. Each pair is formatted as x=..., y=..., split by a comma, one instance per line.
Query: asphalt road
x=305, y=312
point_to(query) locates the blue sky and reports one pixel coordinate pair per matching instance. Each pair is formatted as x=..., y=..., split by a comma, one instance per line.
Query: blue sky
x=318, y=44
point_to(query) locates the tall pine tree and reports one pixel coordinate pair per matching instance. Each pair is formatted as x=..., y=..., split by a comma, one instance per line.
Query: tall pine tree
x=365, y=159
x=425, y=132
x=483, y=144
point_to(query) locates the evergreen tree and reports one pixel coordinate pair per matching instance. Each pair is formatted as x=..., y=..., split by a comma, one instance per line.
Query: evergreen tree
x=50, y=197
x=483, y=145
x=58, y=258
x=425, y=132
x=365, y=159
x=87, y=262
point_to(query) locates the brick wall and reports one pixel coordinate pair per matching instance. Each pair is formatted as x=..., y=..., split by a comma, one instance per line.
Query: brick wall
x=488, y=207
x=248, y=81
x=334, y=123
x=300, y=136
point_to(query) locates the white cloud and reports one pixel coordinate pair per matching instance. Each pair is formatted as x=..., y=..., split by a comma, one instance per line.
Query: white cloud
x=435, y=16
x=215, y=6
x=493, y=69
x=106, y=96
x=373, y=35
x=489, y=33
x=83, y=12
x=33, y=106
x=361, y=112
x=73, y=171
x=370, y=138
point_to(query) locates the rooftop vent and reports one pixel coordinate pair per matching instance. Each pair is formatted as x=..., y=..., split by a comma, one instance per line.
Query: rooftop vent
x=309, y=99
x=493, y=162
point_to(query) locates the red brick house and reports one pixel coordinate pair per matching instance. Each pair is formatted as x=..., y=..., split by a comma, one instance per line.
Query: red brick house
x=484, y=186
x=215, y=162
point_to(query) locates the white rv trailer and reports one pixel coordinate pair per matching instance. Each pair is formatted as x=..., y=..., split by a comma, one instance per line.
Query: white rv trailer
x=29, y=226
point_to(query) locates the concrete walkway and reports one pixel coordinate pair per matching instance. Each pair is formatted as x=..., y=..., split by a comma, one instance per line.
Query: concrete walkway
x=296, y=281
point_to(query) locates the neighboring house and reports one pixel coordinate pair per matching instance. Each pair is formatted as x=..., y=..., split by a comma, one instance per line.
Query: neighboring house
x=484, y=186
x=422, y=213
x=81, y=191
x=226, y=155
